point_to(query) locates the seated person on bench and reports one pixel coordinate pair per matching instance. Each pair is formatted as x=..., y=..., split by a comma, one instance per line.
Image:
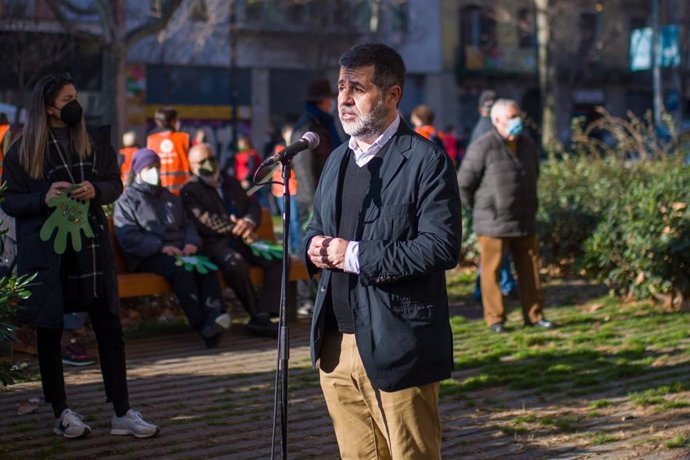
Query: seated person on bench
x=153, y=230
x=225, y=218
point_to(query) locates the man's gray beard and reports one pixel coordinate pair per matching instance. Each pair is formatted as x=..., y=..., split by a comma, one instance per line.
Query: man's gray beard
x=364, y=128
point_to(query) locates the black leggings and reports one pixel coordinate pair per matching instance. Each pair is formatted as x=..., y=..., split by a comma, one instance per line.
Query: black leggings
x=111, y=352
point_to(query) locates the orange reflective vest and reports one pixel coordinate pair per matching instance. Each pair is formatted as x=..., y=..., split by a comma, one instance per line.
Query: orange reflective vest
x=277, y=188
x=127, y=153
x=3, y=131
x=427, y=131
x=172, y=148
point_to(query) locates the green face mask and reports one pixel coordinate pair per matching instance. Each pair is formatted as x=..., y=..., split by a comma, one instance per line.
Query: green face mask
x=208, y=167
x=70, y=217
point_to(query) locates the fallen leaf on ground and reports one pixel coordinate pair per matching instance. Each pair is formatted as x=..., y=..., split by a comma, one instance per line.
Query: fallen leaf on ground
x=594, y=307
x=27, y=407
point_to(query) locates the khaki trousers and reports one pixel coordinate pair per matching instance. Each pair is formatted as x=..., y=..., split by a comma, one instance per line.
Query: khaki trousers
x=524, y=252
x=374, y=424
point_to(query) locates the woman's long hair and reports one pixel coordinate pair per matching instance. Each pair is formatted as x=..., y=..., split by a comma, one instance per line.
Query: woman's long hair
x=35, y=136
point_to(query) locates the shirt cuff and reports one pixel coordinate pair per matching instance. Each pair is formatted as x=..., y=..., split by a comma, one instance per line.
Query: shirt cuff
x=352, y=257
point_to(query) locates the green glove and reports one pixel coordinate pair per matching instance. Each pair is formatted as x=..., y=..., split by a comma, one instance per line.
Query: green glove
x=201, y=264
x=266, y=249
x=70, y=217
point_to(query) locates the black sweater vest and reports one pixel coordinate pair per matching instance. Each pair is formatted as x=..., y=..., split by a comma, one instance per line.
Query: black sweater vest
x=352, y=194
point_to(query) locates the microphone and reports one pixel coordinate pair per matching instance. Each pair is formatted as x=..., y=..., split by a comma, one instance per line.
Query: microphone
x=309, y=140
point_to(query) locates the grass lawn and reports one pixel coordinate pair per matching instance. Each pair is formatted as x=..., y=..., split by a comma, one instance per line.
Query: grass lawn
x=607, y=361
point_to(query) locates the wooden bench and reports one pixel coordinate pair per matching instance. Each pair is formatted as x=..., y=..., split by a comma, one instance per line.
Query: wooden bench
x=143, y=284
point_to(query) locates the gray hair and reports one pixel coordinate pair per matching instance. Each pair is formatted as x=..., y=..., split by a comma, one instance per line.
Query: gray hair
x=500, y=105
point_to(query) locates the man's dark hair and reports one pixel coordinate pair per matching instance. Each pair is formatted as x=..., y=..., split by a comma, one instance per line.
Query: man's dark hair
x=165, y=117
x=389, y=67
x=424, y=113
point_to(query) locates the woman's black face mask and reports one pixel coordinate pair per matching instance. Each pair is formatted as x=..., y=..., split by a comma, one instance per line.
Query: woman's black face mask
x=71, y=113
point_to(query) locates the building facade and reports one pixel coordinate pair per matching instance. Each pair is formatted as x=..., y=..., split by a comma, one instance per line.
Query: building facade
x=493, y=44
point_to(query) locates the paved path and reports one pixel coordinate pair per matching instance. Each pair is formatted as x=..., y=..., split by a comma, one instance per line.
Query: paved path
x=218, y=404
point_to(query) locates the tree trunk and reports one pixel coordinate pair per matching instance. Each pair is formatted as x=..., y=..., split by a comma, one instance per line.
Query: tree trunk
x=112, y=87
x=109, y=91
x=548, y=77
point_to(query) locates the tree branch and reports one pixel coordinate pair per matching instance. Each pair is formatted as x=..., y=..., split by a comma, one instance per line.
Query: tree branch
x=70, y=26
x=105, y=12
x=72, y=8
x=152, y=26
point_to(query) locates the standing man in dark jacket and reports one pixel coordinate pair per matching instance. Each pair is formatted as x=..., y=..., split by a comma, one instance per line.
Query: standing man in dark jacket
x=225, y=218
x=498, y=180
x=309, y=163
x=484, y=125
x=386, y=226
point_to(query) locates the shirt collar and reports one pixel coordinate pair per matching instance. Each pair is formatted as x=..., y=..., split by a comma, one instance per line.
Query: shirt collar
x=362, y=157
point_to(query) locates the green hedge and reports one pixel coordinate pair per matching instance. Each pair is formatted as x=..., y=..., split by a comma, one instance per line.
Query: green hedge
x=626, y=224
x=642, y=245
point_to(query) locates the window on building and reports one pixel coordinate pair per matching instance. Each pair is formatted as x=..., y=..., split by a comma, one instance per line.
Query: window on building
x=526, y=29
x=254, y=11
x=18, y=9
x=588, y=26
x=198, y=10
x=477, y=37
x=400, y=16
x=637, y=22
x=477, y=27
x=156, y=8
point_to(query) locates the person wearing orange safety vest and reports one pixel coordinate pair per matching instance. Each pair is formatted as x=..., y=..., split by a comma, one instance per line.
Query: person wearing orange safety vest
x=5, y=137
x=422, y=118
x=277, y=191
x=172, y=147
x=130, y=146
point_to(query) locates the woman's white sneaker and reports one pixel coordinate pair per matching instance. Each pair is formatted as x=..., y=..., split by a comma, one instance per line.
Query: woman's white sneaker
x=69, y=425
x=133, y=423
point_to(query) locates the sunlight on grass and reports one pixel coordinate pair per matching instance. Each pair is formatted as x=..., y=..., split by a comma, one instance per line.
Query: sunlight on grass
x=659, y=397
x=600, y=404
x=598, y=438
x=677, y=442
x=592, y=350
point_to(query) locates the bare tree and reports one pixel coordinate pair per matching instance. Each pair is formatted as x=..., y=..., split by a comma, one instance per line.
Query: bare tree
x=27, y=55
x=548, y=75
x=115, y=39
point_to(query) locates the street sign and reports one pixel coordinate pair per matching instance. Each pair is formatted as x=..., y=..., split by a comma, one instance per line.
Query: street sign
x=668, y=54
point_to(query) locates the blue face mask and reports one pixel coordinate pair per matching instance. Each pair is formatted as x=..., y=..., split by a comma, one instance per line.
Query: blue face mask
x=515, y=126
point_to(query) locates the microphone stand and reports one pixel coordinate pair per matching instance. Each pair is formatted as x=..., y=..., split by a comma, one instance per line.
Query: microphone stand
x=281, y=376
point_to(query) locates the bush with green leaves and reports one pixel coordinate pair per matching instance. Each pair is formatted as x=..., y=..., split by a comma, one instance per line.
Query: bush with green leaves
x=575, y=192
x=12, y=289
x=641, y=247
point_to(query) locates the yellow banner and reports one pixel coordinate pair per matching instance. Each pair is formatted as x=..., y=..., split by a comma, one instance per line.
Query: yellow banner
x=203, y=112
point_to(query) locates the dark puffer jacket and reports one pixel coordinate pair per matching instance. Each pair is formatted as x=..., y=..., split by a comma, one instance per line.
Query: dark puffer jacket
x=147, y=218
x=501, y=187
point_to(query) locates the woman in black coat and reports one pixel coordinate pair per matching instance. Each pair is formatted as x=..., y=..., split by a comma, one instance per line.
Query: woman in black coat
x=56, y=160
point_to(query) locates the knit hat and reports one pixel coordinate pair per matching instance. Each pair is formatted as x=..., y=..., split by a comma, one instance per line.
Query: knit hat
x=143, y=158
x=487, y=98
x=318, y=90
